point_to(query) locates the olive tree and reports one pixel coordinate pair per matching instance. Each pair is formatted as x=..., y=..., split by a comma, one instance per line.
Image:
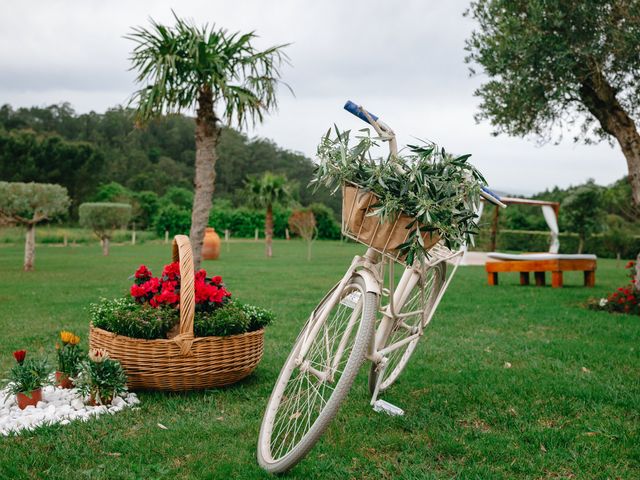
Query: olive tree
x=303, y=222
x=554, y=63
x=103, y=218
x=28, y=204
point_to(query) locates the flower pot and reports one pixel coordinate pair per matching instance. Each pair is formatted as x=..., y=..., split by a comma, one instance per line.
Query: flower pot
x=24, y=401
x=63, y=380
x=211, y=245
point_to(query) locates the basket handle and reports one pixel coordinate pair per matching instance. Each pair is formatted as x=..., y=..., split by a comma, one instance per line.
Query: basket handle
x=182, y=252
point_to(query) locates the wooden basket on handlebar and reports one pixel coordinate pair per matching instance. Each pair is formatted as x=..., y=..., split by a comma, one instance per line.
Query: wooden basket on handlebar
x=370, y=230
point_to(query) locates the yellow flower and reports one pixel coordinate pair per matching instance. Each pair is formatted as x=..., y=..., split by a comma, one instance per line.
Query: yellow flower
x=69, y=338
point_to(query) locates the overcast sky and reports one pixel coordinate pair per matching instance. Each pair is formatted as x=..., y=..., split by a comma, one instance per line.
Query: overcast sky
x=402, y=60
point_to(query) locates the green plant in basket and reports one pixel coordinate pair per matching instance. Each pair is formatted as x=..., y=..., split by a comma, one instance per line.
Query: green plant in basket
x=152, y=310
x=438, y=190
x=101, y=378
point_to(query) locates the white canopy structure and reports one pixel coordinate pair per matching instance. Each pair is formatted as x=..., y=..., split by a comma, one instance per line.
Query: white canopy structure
x=550, y=211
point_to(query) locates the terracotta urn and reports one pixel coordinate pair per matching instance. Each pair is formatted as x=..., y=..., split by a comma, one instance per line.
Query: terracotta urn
x=63, y=380
x=24, y=401
x=211, y=245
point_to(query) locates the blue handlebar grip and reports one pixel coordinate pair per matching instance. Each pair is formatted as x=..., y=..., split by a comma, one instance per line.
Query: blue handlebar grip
x=357, y=111
x=489, y=192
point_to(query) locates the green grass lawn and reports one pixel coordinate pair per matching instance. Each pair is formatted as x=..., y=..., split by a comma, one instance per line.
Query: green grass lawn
x=567, y=408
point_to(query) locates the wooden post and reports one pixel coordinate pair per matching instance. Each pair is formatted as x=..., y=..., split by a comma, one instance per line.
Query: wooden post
x=166, y=236
x=494, y=229
x=286, y=234
x=524, y=278
x=492, y=278
x=589, y=278
x=65, y=240
x=226, y=238
x=133, y=234
x=540, y=281
x=556, y=279
x=257, y=235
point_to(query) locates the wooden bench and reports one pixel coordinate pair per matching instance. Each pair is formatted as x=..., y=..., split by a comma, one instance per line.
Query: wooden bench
x=556, y=266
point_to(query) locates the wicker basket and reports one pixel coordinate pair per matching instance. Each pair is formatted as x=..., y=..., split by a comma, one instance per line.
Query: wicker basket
x=384, y=237
x=183, y=362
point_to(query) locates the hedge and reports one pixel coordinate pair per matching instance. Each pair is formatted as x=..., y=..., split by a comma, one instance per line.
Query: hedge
x=242, y=222
x=534, y=241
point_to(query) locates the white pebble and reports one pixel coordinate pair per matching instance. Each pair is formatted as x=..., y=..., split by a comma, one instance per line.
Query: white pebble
x=58, y=406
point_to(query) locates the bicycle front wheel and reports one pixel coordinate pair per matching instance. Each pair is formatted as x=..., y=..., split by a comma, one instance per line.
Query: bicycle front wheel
x=421, y=300
x=312, y=385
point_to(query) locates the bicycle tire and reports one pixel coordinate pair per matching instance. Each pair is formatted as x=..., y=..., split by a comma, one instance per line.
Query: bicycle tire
x=272, y=457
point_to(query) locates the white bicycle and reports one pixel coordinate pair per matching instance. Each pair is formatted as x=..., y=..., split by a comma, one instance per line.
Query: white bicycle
x=342, y=332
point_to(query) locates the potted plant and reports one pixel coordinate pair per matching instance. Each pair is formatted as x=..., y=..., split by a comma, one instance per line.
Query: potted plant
x=181, y=330
x=27, y=378
x=406, y=202
x=69, y=359
x=101, y=378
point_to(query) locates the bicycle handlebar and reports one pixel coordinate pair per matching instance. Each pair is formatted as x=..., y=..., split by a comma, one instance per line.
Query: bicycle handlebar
x=491, y=197
x=358, y=111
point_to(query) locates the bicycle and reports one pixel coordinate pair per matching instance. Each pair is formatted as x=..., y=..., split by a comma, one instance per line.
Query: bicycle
x=341, y=333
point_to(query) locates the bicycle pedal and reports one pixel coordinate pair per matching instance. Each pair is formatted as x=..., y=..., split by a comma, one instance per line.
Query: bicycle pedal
x=388, y=408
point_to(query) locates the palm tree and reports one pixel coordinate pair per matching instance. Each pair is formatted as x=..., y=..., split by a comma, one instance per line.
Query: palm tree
x=187, y=66
x=265, y=192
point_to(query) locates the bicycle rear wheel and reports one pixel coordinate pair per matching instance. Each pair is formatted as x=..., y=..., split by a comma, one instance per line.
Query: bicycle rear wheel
x=309, y=390
x=421, y=299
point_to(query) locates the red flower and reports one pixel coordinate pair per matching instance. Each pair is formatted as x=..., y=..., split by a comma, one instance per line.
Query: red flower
x=201, y=274
x=138, y=291
x=143, y=273
x=152, y=285
x=19, y=355
x=169, y=286
x=171, y=271
x=217, y=279
x=629, y=264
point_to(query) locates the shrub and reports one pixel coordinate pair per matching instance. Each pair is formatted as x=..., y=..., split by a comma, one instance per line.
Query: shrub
x=180, y=197
x=173, y=219
x=328, y=227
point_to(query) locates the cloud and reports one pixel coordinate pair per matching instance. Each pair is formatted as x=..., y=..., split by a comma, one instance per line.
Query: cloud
x=403, y=60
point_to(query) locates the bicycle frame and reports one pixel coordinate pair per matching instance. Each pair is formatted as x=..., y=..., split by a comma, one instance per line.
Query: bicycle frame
x=370, y=268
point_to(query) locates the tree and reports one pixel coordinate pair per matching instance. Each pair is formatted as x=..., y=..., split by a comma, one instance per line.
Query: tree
x=265, y=192
x=583, y=212
x=552, y=63
x=29, y=204
x=28, y=157
x=103, y=218
x=302, y=222
x=184, y=66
